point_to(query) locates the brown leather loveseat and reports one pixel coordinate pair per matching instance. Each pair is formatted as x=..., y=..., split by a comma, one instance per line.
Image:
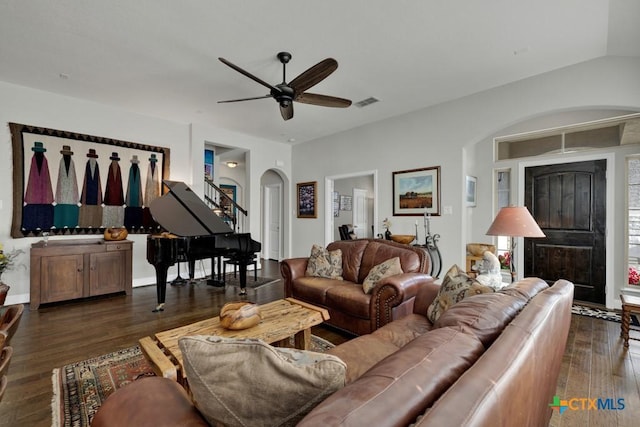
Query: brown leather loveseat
x=350, y=308
x=489, y=360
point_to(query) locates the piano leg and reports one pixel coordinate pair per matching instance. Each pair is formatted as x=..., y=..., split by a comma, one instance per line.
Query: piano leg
x=178, y=281
x=242, y=266
x=192, y=270
x=161, y=285
x=215, y=278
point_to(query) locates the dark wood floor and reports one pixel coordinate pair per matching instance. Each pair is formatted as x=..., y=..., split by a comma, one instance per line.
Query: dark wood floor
x=595, y=363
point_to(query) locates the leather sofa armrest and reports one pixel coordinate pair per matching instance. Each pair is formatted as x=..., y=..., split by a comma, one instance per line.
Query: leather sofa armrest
x=425, y=296
x=392, y=291
x=291, y=269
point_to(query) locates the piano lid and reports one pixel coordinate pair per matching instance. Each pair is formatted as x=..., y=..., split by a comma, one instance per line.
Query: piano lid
x=183, y=213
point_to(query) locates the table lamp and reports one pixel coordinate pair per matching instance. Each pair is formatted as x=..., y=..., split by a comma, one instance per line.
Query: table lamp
x=514, y=221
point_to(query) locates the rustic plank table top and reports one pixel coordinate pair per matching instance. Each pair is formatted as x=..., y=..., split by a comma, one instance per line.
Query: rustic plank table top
x=281, y=320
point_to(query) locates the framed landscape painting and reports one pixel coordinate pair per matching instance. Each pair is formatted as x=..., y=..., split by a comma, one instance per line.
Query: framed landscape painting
x=416, y=192
x=307, y=200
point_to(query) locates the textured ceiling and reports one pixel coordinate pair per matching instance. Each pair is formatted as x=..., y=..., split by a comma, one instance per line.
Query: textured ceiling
x=159, y=57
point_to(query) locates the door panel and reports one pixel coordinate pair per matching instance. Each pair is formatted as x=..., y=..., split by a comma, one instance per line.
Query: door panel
x=568, y=202
x=359, y=206
x=274, y=221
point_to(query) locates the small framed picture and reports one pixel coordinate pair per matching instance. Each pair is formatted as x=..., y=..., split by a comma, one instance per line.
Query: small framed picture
x=471, y=190
x=307, y=200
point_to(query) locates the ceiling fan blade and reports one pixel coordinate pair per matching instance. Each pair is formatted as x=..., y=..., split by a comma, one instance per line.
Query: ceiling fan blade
x=314, y=75
x=323, y=100
x=245, y=99
x=287, y=112
x=248, y=74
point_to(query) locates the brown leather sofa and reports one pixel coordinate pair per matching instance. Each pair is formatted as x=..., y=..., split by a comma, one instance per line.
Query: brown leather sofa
x=350, y=309
x=490, y=360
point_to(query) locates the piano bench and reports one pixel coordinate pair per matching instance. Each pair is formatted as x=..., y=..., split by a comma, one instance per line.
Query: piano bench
x=235, y=264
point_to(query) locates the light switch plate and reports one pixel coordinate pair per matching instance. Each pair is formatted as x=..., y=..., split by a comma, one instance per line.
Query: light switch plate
x=447, y=210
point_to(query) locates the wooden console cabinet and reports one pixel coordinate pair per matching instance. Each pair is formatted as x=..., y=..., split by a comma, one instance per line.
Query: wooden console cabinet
x=70, y=269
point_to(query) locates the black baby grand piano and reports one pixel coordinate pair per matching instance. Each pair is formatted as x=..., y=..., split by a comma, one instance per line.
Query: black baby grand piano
x=196, y=233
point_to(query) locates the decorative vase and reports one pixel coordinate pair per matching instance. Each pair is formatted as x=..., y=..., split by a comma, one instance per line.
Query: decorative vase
x=4, y=289
x=387, y=235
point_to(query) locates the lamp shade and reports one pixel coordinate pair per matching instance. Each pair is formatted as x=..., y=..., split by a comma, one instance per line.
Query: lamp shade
x=514, y=221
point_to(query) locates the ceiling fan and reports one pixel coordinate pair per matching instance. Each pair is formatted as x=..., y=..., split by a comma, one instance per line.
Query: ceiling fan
x=285, y=93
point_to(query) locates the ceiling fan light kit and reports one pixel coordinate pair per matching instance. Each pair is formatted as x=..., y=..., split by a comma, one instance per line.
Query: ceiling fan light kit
x=286, y=93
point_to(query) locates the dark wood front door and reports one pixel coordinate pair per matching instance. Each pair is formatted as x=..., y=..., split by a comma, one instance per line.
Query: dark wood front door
x=568, y=202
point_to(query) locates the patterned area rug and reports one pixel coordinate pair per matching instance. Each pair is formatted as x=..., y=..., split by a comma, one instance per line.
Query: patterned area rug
x=80, y=388
x=602, y=314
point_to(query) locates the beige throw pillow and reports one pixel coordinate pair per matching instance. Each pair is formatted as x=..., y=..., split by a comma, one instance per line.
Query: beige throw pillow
x=455, y=287
x=390, y=267
x=323, y=263
x=246, y=382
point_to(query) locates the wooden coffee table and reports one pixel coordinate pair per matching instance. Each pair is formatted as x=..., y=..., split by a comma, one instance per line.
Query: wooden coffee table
x=281, y=320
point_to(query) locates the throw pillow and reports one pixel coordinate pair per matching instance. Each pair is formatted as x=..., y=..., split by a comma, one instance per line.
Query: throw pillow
x=324, y=263
x=241, y=382
x=455, y=287
x=390, y=267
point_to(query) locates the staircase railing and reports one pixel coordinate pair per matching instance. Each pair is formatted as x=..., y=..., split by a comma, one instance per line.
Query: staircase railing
x=224, y=206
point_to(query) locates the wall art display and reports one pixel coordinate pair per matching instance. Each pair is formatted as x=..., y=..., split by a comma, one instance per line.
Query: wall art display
x=208, y=164
x=346, y=203
x=470, y=190
x=225, y=204
x=336, y=204
x=416, y=192
x=307, y=200
x=70, y=183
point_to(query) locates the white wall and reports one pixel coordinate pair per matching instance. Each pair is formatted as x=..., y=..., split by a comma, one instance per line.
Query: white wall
x=186, y=142
x=447, y=134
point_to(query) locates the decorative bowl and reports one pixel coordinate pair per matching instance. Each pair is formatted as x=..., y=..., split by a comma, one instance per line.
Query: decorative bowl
x=478, y=249
x=240, y=315
x=115, y=233
x=403, y=238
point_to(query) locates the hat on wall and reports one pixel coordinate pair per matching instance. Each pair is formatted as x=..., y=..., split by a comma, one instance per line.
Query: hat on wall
x=134, y=159
x=114, y=156
x=66, y=150
x=153, y=159
x=38, y=147
x=92, y=153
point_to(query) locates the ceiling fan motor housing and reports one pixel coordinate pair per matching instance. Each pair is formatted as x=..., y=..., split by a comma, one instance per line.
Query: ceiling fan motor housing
x=285, y=95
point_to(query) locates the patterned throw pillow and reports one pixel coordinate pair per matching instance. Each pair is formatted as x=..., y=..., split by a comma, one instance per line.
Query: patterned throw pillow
x=323, y=263
x=390, y=267
x=246, y=382
x=455, y=287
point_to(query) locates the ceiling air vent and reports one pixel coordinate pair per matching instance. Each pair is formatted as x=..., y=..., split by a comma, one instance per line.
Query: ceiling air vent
x=365, y=102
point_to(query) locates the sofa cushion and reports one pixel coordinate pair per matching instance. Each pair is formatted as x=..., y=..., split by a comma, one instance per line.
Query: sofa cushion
x=349, y=298
x=239, y=382
x=361, y=353
x=314, y=289
x=411, y=379
x=403, y=330
x=456, y=285
x=526, y=288
x=390, y=267
x=325, y=263
x=377, y=252
x=352, y=251
x=484, y=316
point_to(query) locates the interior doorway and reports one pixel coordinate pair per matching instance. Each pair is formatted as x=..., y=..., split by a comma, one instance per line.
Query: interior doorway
x=568, y=201
x=272, y=216
x=367, y=181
